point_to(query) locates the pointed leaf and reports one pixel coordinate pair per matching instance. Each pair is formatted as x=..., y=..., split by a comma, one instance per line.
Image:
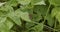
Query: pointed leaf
x=23, y=15
x=50, y=20
x=14, y=18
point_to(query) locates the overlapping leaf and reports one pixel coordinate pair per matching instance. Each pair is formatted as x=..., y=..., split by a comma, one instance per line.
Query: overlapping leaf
x=55, y=2
x=23, y=15
x=38, y=28
x=40, y=9
x=12, y=3
x=14, y=18
x=30, y=11
x=56, y=13
x=4, y=24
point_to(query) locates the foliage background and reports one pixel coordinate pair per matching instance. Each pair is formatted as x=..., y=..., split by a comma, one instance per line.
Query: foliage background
x=30, y=16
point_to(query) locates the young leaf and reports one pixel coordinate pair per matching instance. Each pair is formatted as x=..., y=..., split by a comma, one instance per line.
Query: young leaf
x=56, y=13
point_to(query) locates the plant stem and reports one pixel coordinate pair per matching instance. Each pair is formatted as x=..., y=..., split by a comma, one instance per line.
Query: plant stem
x=47, y=13
x=44, y=26
x=55, y=25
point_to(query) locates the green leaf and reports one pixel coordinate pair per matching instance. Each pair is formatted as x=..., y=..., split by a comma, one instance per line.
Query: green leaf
x=12, y=3
x=24, y=2
x=14, y=18
x=38, y=28
x=56, y=13
x=50, y=20
x=29, y=25
x=27, y=8
x=6, y=8
x=38, y=2
x=9, y=23
x=40, y=9
x=55, y=2
x=36, y=17
x=58, y=16
x=5, y=26
x=23, y=15
x=2, y=19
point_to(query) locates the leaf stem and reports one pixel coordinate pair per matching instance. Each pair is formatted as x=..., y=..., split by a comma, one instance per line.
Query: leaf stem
x=44, y=26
